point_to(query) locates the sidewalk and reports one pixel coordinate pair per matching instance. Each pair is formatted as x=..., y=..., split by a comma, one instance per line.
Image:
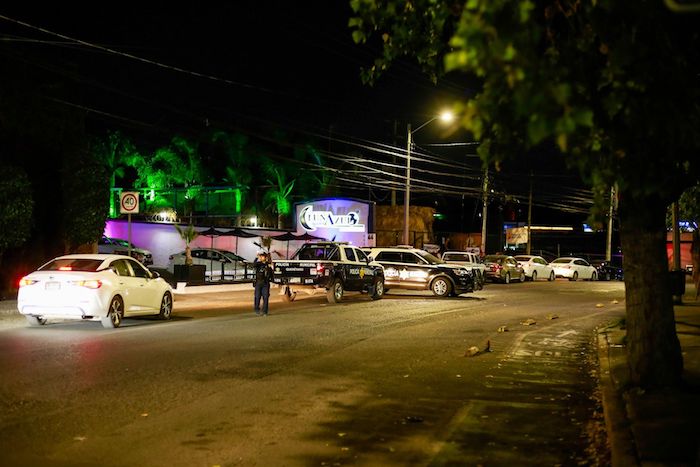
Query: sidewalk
x=660, y=427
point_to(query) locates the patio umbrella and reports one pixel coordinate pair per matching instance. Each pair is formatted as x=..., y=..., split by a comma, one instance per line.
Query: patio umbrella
x=211, y=232
x=238, y=233
x=286, y=237
x=308, y=236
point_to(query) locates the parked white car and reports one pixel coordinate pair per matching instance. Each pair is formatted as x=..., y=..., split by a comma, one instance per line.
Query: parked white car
x=106, y=288
x=574, y=269
x=219, y=264
x=464, y=258
x=536, y=267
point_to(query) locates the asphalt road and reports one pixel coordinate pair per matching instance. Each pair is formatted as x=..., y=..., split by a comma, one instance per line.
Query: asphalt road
x=388, y=382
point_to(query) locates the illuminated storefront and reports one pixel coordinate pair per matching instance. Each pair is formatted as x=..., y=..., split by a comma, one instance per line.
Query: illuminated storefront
x=339, y=219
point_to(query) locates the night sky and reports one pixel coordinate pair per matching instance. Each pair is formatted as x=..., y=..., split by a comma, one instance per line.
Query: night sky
x=255, y=67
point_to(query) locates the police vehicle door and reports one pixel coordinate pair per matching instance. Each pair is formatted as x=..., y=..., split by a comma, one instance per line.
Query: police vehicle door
x=368, y=277
x=354, y=272
x=415, y=271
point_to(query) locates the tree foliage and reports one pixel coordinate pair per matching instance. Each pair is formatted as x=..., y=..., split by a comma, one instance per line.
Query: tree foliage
x=85, y=188
x=612, y=84
x=16, y=209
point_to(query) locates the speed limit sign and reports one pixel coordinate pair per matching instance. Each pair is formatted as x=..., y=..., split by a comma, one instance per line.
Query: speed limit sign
x=129, y=202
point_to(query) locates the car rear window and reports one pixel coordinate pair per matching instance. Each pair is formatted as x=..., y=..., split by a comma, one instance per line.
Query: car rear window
x=72, y=264
x=318, y=252
x=456, y=257
x=561, y=261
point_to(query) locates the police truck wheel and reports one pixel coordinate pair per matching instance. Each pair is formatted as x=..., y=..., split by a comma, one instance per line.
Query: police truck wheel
x=335, y=292
x=378, y=289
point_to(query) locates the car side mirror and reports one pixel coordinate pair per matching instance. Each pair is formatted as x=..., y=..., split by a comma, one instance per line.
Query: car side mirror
x=369, y=259
x=154, y=274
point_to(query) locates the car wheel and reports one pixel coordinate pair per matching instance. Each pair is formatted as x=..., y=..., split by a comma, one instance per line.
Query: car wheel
x=35, y=320
x=574, y=277
x=335, y=292
x=506, y=280
x=441, y=287
x=115, y=314
x=594, y=276
x=551, y=276
x=378, y=289
x=534, y=276
x=166, y=306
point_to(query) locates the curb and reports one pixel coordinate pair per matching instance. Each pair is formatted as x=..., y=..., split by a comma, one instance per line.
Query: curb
x=617, y=424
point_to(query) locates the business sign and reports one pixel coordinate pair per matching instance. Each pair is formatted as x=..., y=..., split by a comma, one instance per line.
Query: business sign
x=311, y=220
x=129, y=202
x=337, y=219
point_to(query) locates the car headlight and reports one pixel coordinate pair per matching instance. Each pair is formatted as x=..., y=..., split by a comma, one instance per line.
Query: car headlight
x=463, y=272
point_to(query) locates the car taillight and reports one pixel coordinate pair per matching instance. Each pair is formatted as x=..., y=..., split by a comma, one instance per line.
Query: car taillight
x=24, y=281
x=320, y=268
x=89, y=284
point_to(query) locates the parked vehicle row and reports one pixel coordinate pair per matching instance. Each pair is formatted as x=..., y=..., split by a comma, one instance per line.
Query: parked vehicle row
x=505, y=268
x=110, y=287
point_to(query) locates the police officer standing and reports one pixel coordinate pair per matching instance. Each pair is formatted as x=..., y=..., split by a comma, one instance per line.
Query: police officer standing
x=263, y=276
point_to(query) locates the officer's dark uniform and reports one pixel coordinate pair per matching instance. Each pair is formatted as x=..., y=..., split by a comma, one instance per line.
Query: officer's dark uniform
x=263, y=277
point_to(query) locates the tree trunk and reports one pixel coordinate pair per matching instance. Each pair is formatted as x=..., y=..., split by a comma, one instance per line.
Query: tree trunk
x=654, y=353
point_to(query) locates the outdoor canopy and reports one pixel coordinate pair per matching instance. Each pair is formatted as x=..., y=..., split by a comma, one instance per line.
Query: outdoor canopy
x=287, y=237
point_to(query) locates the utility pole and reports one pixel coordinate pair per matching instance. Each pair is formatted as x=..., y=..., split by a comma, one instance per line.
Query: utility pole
x=608, y=246
x=393, y=169
x=484, y=211
x=529, y=218
x=407, y=195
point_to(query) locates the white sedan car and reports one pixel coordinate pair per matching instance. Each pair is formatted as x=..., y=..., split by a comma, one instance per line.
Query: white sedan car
x=100, y=287
x=574, y=269
x=535, y=267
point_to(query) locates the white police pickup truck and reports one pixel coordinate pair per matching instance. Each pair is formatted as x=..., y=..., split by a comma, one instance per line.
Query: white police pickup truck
x=331, y=266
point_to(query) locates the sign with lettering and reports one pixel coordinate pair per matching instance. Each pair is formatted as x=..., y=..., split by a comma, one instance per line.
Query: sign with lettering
x=339, y=219
x=310, y=220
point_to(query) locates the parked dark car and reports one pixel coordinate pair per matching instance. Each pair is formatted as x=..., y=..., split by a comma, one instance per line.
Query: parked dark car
x=608, y=271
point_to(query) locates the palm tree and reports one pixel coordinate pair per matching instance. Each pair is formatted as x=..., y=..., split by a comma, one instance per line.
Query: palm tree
x=188, y=234
x=238, y=173
x=277, y=197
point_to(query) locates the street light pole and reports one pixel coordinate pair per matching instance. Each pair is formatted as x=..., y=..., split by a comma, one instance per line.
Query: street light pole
x=445, y=117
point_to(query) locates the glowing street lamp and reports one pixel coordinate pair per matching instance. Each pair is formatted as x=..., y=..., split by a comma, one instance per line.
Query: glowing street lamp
x=446, y=117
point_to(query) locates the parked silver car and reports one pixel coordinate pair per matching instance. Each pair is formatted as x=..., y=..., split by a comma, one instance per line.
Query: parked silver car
x=219, y=264
x=119, y=246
